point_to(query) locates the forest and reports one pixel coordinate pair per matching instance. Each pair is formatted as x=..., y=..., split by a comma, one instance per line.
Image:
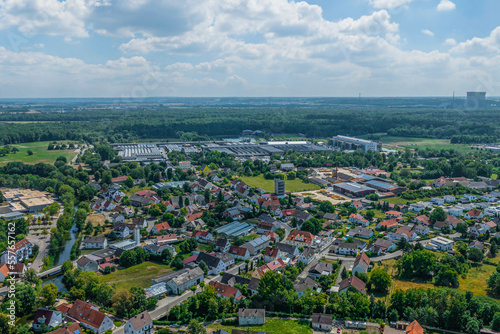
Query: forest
x=461, y=126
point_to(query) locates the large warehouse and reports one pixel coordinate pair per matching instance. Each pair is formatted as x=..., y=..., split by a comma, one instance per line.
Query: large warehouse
x=353, y=189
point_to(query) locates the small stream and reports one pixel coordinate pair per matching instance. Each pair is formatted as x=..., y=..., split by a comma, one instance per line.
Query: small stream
x=65, y=254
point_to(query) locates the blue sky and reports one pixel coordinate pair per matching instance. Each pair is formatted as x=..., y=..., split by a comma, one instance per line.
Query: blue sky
x=142, y=48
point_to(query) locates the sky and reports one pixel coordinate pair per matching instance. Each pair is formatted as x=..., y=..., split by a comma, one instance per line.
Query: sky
x=191, y=48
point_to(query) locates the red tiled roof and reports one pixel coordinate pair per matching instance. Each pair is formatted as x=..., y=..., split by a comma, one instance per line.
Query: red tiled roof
x=86, y=313
x=162, y=226
x=224, y=290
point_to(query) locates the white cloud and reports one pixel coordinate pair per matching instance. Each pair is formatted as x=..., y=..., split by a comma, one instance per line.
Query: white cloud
x=446, y=5
x=480, y=46
x=389, y=4
x=427, y=32
x=450, y=42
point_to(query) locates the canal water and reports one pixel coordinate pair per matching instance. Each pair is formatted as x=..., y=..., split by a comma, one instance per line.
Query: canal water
x=65, y=255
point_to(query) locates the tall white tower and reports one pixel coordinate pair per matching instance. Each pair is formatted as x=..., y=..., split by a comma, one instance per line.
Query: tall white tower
x=137, y=235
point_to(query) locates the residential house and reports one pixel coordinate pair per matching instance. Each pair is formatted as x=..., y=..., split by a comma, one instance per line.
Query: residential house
x=273, y=236
x=331, y=216
x=95, y=243
x=256, y=245
x=20, y=251
x=437, y=201
x=307, y=283
x=474, y=214
x=321, y=269
x=422, y=219
x=222, y=245
x=160, y=227
x=322, y=322
x=414, y=328
x=456, y=211
x=16, y=270
x=271, y=254
x=345, y=248
x=393, y=214
x=239, y=252
x=74, y=328
x=139, y=324
x=417, y=207
x=287, y=250
x=263, y=227
x=387, y=224
x=271, y=266
x=307, y=256
x=166, y=239
x=251, y=317
x=421, y=230
x=478, y=229
x=141, y=222
x=203, y=236
x=301, y=217
x=45, y=320
x=216, y=263
x=381, y=246
x=90, y=317
x=86, y=263
x=226, y=291
x=186, y=280
x=156, y=249
x=361, y=264
x=231, y=280
x=300, y=238
x=233, y=212
x=116, y=217
x=477, y=244
x=353, y=282
x=439, y=243
x=122, y=230
x=360, y=232
x=449, y=199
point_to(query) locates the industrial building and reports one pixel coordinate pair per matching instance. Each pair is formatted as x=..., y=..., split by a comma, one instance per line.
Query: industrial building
x=351, y=143
x=475, y=99
x=140, y=152
x=353, y=189
x=385, y=187
x=26, y=200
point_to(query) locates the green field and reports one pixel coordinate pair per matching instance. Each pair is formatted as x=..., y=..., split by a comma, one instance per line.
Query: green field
x=139, y=275
x=272, y=326
x=268, y=185
x=420, y=143
x=40, y=153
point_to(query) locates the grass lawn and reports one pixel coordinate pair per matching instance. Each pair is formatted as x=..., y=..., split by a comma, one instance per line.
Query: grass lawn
x=139, y=275
x=40, y=153
x=268, y=185
x=423, y=143
x=272, y=326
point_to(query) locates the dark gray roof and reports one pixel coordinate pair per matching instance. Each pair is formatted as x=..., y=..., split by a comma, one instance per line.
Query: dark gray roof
x=230, y=279
x=321, y=267
x=267, y=218
x=211, y=261
x=320, y=318
x=302, y=285
x=94, y=240
x=285, y=248
x=308, y=252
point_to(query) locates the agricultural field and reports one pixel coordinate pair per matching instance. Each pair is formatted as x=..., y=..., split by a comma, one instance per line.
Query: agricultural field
x=268, y=185
x=272, y=326
x=139, y=275
x=40, y=153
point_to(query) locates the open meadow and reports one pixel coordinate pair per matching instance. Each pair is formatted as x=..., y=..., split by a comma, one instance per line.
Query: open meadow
x=40, y=153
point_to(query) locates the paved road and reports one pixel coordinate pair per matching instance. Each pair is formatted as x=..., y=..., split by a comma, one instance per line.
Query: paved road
x=389, y=256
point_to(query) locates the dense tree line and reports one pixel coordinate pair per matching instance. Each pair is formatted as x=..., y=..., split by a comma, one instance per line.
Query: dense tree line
x=205, y=123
